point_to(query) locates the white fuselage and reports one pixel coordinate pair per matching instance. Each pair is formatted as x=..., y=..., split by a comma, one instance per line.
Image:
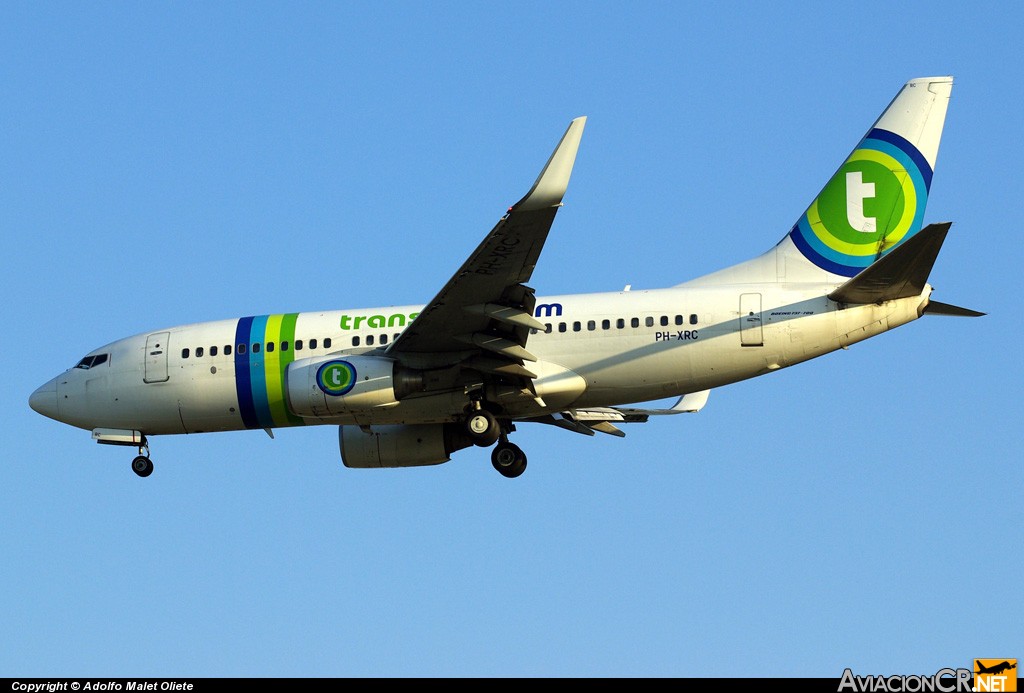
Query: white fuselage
x=601, y=350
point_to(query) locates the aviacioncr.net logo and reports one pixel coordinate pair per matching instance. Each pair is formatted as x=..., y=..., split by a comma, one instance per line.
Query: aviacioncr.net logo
x=336, y=378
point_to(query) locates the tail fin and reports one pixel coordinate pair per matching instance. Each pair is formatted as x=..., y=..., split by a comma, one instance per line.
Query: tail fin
x=873, y=203
x=876, y=199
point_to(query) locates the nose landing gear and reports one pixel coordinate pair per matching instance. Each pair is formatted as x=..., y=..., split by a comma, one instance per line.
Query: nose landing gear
x=142, y=466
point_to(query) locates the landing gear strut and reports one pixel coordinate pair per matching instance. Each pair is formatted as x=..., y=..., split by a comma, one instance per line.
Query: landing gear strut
x=508, y=458
x=142, y=465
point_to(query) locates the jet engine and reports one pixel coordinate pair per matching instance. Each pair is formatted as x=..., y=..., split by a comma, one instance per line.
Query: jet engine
x=326, y=386
x=416, y=445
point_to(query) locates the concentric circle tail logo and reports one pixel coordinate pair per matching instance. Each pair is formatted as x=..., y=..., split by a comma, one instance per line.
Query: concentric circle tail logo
x=336, y=378
x=875, y=200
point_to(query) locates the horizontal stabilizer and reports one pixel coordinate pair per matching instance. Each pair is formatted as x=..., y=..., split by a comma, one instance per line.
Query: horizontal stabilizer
x=937, y=308
x=900, y=274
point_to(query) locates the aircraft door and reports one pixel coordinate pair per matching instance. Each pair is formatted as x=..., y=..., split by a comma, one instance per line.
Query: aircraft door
x=156, y=358
x=750, y=320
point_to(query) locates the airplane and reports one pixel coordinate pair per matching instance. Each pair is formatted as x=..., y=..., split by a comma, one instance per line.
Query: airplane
x=1005, y=665
x=409, y=385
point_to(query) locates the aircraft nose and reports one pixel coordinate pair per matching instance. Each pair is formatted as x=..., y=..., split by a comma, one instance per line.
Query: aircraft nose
x=44, y=399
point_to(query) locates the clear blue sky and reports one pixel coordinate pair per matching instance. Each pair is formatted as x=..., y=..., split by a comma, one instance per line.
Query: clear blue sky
x=165, y=163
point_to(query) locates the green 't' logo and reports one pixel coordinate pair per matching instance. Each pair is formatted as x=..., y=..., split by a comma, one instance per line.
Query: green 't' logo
x=336, y=377
x=868, y=205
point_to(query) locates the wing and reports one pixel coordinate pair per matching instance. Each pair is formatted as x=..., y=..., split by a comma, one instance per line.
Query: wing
x=482, y=317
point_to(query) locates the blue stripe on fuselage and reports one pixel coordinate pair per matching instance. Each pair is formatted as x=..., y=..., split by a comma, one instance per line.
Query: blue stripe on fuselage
x=257, y=374
x=243, y=380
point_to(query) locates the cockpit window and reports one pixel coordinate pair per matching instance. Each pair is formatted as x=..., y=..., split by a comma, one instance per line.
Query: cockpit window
x=92, y=361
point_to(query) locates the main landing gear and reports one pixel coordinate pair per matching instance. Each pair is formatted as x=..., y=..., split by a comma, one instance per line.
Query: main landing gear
x=508, y=458
x=142, y=465
x=484, y=429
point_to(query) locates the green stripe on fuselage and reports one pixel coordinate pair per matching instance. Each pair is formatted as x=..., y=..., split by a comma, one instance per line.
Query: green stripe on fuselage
x=280, y=330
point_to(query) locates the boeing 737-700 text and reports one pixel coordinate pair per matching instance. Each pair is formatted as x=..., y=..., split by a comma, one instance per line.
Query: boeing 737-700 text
x=409, y=385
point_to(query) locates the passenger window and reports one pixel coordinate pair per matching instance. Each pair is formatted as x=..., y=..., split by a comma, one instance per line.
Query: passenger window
x=312, y=343
x=679, y=319
x=213, y=351
x=664, y=321
x=227, y=350
x=383, y=339
x=591, y=325
x=270, y=347
x=355, y=341
x=369, y=340
x=649, y=321
x=240, y=350
x=184, y=355
x=693, y=318
x=255, y=347
x=576, y=326
x=284, y=345
x=199, y=351
x=620, y=323
x=606, y=324
x=327, y=343
x=561, y=327
x=298, y=345
x=547, y=328
x=634, y=322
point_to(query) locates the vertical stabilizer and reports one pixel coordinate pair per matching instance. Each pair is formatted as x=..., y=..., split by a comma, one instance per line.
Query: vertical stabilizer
x=872, y=204
x=876, y=200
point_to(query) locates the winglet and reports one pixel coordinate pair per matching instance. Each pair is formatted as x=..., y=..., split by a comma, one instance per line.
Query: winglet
x=553, y=181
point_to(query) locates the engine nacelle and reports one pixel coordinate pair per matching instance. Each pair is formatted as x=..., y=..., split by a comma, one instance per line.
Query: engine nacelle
x=326, y=386
x=414, y=445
